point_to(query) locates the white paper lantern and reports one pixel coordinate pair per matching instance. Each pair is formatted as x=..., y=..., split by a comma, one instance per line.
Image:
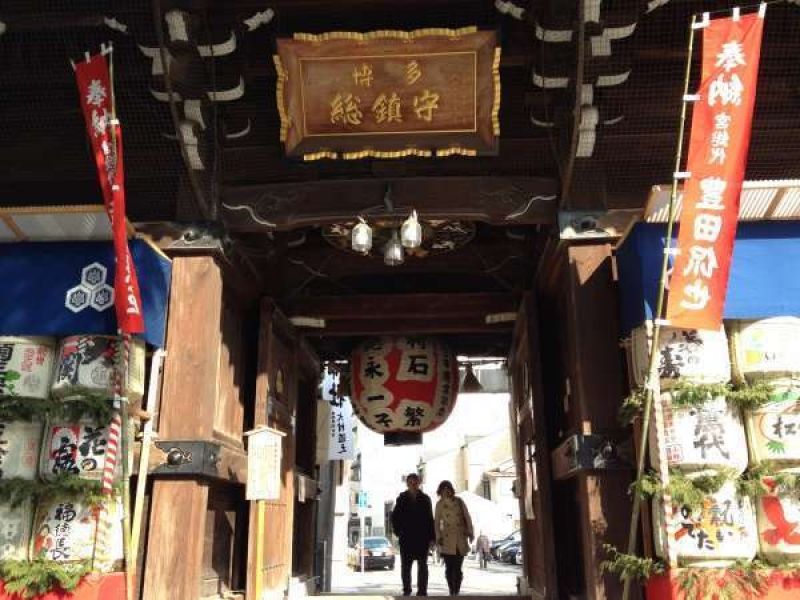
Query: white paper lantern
x=86, y=367
x=722, y=531
x=767, y=349
x=15, y=531
x=773, y=430
x=26, y=367
x=691, y=355
x=705, y=438
x=778, y=517
x=19, y=449
x=403, y=384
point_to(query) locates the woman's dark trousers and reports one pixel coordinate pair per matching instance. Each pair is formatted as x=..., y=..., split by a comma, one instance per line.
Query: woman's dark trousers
x=452, y=571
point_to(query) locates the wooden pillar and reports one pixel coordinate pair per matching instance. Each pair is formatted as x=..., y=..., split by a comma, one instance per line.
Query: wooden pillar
x=582, y=288
x=191, y=375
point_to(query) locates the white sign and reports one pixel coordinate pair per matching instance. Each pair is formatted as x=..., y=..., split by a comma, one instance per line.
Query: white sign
x=340, y=422
x=264, y=454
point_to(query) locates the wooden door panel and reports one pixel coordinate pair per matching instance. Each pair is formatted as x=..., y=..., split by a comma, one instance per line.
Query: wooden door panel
x=533, y=456
x=276, y=391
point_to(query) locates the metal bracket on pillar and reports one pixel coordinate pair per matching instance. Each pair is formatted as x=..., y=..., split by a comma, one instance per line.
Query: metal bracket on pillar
x=594, y=225
x=197, y=459
x=590, y=452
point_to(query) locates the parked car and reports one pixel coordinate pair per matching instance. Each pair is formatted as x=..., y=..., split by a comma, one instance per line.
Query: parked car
x=377, y=553
x=518, y=557
x=509, y=553
x=497, y=544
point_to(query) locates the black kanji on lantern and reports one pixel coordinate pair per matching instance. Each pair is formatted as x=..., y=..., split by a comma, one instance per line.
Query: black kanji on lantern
x=418, y=364
x=383, y=419
x=416, y=342
x=414, y=416
x=372, y=369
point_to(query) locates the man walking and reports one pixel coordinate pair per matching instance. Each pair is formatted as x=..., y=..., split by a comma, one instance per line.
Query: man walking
x=412, y=521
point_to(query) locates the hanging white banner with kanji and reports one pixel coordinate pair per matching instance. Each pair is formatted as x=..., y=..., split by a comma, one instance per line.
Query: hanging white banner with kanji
x=720, y=137
x=340, y=420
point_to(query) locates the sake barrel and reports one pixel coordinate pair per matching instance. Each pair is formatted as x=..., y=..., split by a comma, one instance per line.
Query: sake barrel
x=716, y=534
x=19, y=449
x=64, y=531
x=15, y=530
x=74, y=449
x=766, y=349
x=778, y=514
x=773, y=430
x=695, y=356
x=26, y=367
x=703, y=438
x=86, y=367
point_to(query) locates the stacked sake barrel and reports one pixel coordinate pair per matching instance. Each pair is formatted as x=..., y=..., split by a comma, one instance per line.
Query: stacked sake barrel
x=697, y=440
x=768, y=352
x=82, y=367
x=26, y=367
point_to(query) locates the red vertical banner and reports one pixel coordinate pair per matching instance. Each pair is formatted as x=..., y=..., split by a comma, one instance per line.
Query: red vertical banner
x=94, y=87
x=720, y=137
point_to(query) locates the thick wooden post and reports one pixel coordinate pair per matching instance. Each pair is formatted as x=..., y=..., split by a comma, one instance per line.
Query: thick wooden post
x=191, y=379
x=596, y=384
x=586, y=384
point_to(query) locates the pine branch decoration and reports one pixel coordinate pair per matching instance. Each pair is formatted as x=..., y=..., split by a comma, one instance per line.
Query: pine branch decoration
x=628, y=566
x=28, y=579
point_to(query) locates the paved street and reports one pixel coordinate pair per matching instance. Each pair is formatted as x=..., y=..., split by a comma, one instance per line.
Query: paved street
x=497, y=579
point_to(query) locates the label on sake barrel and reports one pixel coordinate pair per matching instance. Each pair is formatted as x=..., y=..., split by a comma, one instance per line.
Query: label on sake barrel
x=708, y=437
x=778, y=523
x=86, y=366
x=767, y=349
x=690, y=355
x=64, y=531
x=19, y=449
x=15, y=531
x=26, y=366
x=774, y=429
x=719, y=531
x=74, y=449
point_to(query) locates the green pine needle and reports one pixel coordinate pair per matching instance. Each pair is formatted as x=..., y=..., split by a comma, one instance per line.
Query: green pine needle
x=66, y=486
x=31, y=578
x=97, y=408
x=628, y=566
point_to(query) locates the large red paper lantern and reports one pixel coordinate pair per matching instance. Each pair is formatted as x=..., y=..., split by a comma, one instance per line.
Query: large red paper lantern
x=403, y=384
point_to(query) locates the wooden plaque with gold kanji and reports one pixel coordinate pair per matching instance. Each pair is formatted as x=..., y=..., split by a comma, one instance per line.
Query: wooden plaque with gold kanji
x=389, y=94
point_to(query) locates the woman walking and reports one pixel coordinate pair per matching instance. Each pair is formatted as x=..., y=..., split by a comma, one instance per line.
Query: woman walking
x=453, y=534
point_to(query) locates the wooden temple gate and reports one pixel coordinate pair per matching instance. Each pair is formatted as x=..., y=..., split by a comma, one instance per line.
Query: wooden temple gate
x=235, y=363
x=202, y=539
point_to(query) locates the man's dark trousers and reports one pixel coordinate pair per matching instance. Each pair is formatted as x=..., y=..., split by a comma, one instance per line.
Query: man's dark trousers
x=406, y=560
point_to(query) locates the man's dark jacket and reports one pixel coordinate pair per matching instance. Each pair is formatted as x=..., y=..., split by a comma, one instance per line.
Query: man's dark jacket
x=412, y=522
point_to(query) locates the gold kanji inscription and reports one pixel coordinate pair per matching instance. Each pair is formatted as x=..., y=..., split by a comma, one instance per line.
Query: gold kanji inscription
x=386, y=109
x=345, y=110
x=413, y=72
x=425, y=104
x=363, y=75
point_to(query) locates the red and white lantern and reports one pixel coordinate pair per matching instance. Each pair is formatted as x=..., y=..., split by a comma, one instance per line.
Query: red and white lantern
x=403, y=384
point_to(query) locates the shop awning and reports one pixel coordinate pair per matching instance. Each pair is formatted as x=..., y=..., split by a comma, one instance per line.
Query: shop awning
x=764, y=280
x=64, y=288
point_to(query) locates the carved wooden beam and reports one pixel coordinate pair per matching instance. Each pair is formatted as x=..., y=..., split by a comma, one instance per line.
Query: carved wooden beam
x=404, y=306
x=405, y=314
x=496, y=200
